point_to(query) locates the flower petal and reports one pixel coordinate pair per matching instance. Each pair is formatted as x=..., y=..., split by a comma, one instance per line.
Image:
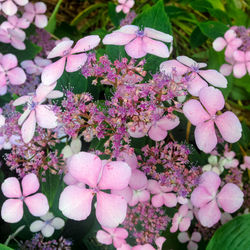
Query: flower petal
x=183, y=237
x=169, y=66
x=16, y=76
x=12, y=210
x=138, y=180
x=104, y=237
x=11, y=188
x=57, y=223
x=200, y=197
x=36, y=226
x=28, y=127
x=158, y=35
x=48, y=230
x=60, y=49
x=41, y=21
x=8, y=61
x=210, y=181
x=30, y=184
x=75, y=62
x=45, y=117
x=219, y=44
x=135, y=48
x=9, y=8
x=126, y=193
x=214, y=77
x=86, y=43
x=195, y=84
x=184, y=224
x=118, y=38
x=239, y=70
x=186, y=61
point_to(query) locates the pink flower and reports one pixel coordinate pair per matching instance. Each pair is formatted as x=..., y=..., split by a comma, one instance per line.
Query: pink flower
x=53, y=72
x=196, y=78
x=37, y=112
x=75, y=202
x=227, y=68
x=35, y=67
x=229, y=41
x=139, y=42
x=125, y=6
x=9, y=72
x=227, y=123
x=205, y=197
x=195, y=237
x=9, y=6
x=36, y=11
x=115, y=235
x=181, y=220
x=159, y=242
x=242, y=63
x=2, y=118
x=12, y=209
x=161, y=195
x=143, y=247
x=246, y=164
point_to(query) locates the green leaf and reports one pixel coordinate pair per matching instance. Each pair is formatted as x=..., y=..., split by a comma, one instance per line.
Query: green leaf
x=201, y=5
x=233, y=235
x=3, y=247
x=243, y=82
x=239, y=94
x=220, y=15
x=115, y=52
x=173, y=11
x=213, y=29
x=197, y=38
x=114, y=16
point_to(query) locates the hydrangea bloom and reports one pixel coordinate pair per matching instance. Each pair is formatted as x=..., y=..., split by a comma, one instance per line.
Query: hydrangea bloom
x=227, y=123
x=207, y=198
x=183, y=237
x=140, y=42
x=75, y=59
x=35, y=67
x=47, y=225
x=12, y=209
x=242, y=63
x=75, y=202
x=125, y=6
x=9, y=6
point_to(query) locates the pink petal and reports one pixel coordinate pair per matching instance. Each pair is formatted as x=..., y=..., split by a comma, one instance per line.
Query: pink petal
x=214, y=77
x=143, y=195
x=170, y=199
x=29, y=66
x=129, y=158
x=239, y=70
x=41, y=61
x=53, y=72
x=239, y=56
x=86, y=43
x=41, y=21
x=143, y=247
x=42, y=91
x=110, y=209
x=153, y=187
x=226, y=69
x=195, y=84
x=138, y=130
x=135, y=48
x=210, y=181
x=129, y=29
x=60, y=49
x=40, y=7
x=184, y=224
x=194, y=112
x=138, y=180
x=21, y=2
x=205, y=136
x=8, y=61
x=16, y=76
x=160, y=241
x=104, y=237
x=37, y=204
x=21, y=100
x=209, y=214
x=212, y=99
x=121, y=233
x=11, y=188
x=200, y=197
x=23, y=23
x=12, y=210
x=168, y=124
x=230, y=35
x=75, y=62
x=229, y=126
x=156, y=133
x=118, y=9
x=28, y=127
x=85, y=167
x=9, y=8
x=75, y=202
x=192, y=245
x=167, y=67
x=196, y=236
x=186, y=61
x=158, y=35
x=230, y=198
x=118, y=38
x=157, y=200
x=126, y=193
x=154, y=47
x=30, y=7
x=30, y=184
x=183, y=237
x=45, y=117
x=219, y=44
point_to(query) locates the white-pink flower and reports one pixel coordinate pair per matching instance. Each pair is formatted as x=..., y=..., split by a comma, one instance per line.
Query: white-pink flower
x=12, y=209
x=204, y=120
x=139, y=42
x=208, y=200
x=183, y=237
x=74, y=57
x=75, y=202
x=242, y=63
x=36, y=11
x=37, y=112
x=9, y=6
x=125, y=6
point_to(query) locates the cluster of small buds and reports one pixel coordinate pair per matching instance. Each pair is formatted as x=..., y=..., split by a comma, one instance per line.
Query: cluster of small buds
x=167, y=163
x=128, y=19
x=144, y=216
x=234, y=175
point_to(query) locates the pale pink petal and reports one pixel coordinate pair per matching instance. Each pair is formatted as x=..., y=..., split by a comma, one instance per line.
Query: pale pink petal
x=135, y=48
x=3, y=90
x=104, y=237
x=60, y=49
x=30, y=7
x=85, y=167
x=23, y=23
x=230, y=35
x=167, y=123
x=229, y=51
x=209, y=214
x=143, y=247
x=118, y=9
x=53, y=72
x=110, y=209
x=159, y=242
x=124, y=247
x=45, y=117
x=40, y=7
x=226, y=69
x=129, y=29
x=156, y=133
x=138, y=130
x=11, y=188
x=186, y=61
x=29, y=66
x=41, y=21
x=184, y=224
x=183, y=237
x=12, y=210
x=57, y=223
x=8, y=61
x=28, y=15
x=239, y=70
x=194, y=112
x=28, y=127
x=42, y=91
x=214, y=77
x=143, y=195
x=21, y=2
x=169, y=66
x=75, y=202
x=157, y=200
x=121, y=233
x=75, y=62
x=55, y=94
x=153, y=187
x=30, y=184
x=195, y=84
x=170, y=199
x=2, y=79
x=239, y=56
x=21, y=100
x=219, y=44
x=212, y=99
x=229, y=126
x=41, y=61
x=154, y=47
x=175, y=223
x=126, y=193
x=138, y=180
x=86, y=43
x=37, y=204
x=125, y=9
x=200, y=196
x=230, y=198
x=158, y=35
x=16, y=76
x=192, y=245
x=9, y=8
x=129, y=158
x=196, y=236
x=118, y=38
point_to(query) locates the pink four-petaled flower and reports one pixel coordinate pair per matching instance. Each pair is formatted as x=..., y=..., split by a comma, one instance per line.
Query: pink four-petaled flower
x=125, y=6
x=9, y=6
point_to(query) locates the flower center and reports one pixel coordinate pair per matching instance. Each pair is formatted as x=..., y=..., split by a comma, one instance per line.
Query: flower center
x=195, y=68
x=66, y=52
x=32, y=105
x=140, y=33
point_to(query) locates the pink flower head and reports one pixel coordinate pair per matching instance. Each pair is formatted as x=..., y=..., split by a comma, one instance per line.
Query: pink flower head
x=53, y=72
x=9, y=6
x=35, y=67
x=181, y=220
x=116, y=236
x=9, y=72
x=246, y=164
x=229, y=41
x=227, y=123
x=12, y=209
x=196, y=78
x=36, y=11
x=192, y=242
x=161, y=195
x=37, y=112
x=125, y=6
x=75, y=202
x=242, y=63
x=205, y=197
x=140, y=42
